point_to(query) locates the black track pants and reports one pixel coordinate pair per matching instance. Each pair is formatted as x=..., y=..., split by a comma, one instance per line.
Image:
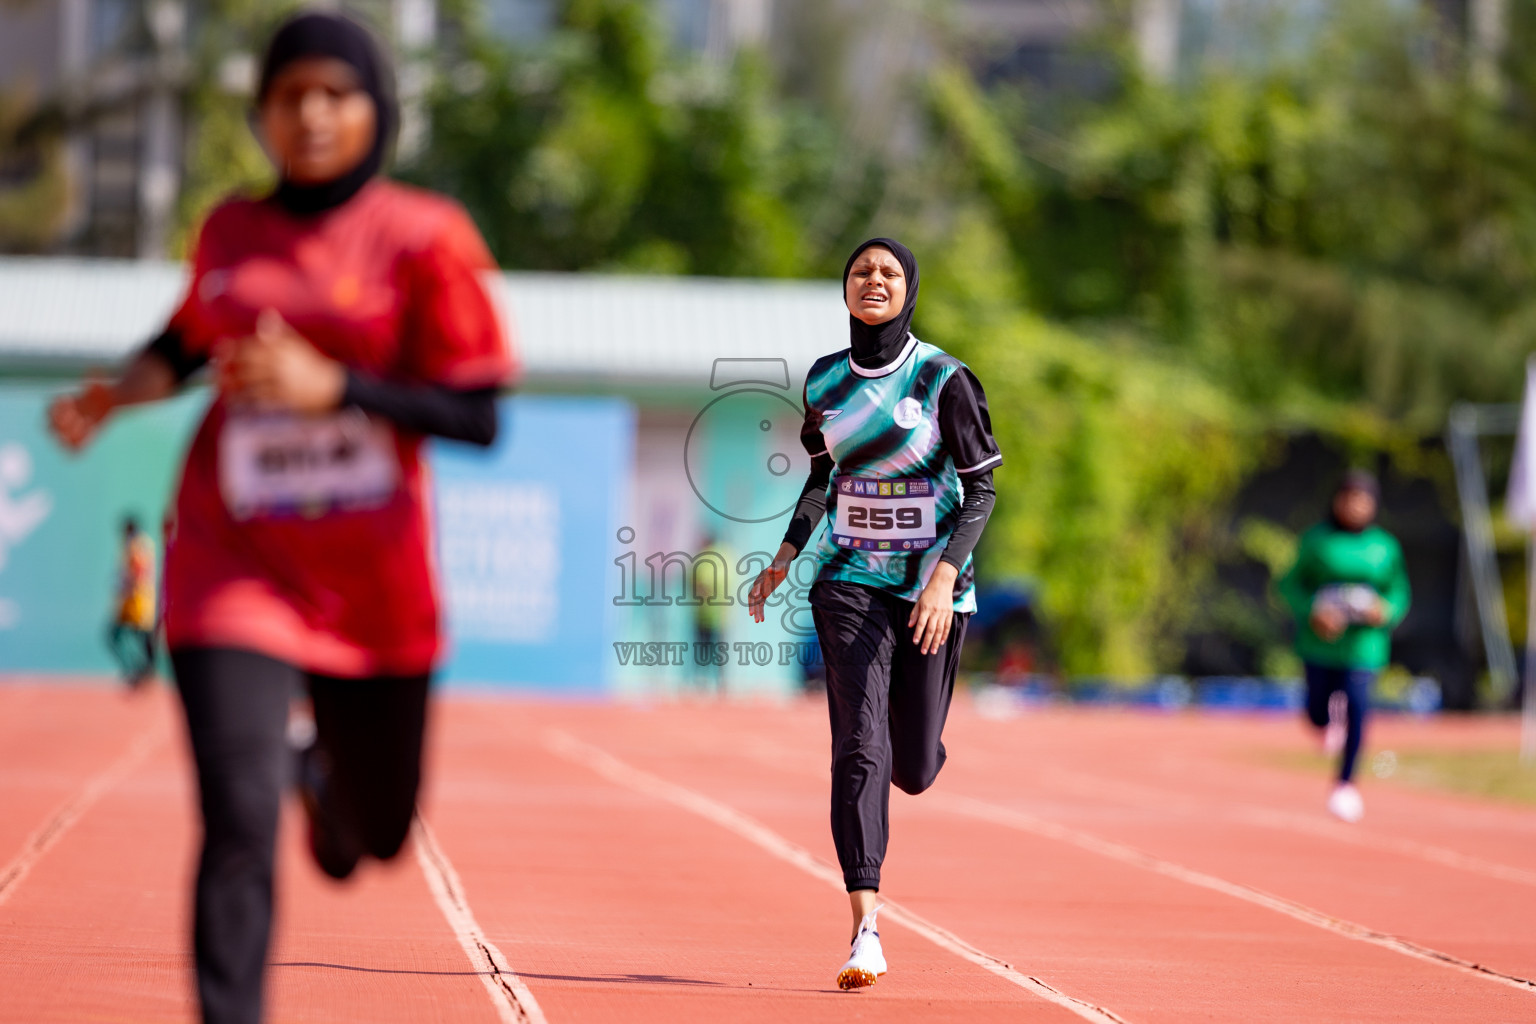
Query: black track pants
x=1355, y=683
x=237, y=714
x=888, y=703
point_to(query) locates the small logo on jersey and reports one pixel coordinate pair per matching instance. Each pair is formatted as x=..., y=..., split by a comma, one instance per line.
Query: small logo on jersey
x=831, y=414
x=908, y=414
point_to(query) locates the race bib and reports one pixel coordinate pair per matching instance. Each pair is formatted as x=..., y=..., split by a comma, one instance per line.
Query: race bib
x=279, y=464
x=885, y=515
x=1355, y=600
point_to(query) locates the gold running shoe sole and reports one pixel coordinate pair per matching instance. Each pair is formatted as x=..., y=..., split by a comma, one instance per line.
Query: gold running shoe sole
x=856, y=977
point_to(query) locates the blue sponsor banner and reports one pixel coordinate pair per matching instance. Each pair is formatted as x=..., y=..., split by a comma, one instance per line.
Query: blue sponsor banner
x=524, y=533
x=524, y=536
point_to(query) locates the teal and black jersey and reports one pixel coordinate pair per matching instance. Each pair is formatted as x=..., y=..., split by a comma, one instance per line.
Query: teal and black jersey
x=902, y=437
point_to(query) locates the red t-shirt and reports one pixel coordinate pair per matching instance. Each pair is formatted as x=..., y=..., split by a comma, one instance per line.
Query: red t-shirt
x=387, y=283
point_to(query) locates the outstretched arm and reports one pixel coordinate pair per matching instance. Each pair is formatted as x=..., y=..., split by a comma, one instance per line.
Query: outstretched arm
x=76, y=418
x=812, y=505
x=808, y=513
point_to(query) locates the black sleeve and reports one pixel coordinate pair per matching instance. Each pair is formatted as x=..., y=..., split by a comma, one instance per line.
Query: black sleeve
x=810, y=432
x=975, y=508
x=813, y=503
x=965, y=425
x=428, y=409
x=171, y=347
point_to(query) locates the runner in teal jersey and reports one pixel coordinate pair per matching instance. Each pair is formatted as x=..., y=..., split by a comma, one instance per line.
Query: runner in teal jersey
x=901, y=464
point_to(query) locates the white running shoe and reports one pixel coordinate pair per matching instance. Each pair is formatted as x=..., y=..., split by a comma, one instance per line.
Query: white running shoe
x=1345, y=803
x=866, y=961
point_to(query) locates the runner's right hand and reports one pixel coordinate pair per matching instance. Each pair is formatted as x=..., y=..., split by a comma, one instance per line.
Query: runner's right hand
x=769, y=579
x=1328, y=622
x=74, y=419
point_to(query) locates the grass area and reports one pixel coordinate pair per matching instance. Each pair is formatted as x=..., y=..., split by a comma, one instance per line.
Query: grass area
x=1492, y=774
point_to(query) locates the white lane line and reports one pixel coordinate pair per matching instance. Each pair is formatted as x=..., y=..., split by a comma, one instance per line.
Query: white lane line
x=609, y=767
x=1290, y=821
x=61, y=821
x=514, y=1003
x=1024, y=822
x=1393, y=844
x=778, y=755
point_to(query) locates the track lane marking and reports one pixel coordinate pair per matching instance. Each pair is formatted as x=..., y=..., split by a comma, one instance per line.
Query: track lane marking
x=513, y=1001
x=1024, y=822
x=777, y=754
x=1291, y=821
x=577, y=751
x=769, y=752
x=58, y=824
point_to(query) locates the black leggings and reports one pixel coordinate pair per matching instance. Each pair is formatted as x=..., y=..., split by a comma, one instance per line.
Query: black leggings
x=887, y=702
x=237, y=716
x=1355, y=683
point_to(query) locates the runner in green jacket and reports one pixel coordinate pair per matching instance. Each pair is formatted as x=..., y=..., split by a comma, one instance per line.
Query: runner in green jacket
x=1348, y=590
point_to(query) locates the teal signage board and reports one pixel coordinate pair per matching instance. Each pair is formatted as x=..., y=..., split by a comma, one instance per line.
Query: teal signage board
x=61, y=522
x=525, y=531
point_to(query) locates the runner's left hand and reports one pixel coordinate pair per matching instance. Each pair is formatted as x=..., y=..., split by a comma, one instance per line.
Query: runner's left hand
x=276, y=368
x=934, y=612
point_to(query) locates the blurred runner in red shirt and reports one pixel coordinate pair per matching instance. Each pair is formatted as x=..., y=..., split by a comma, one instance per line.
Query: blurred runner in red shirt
x=345, y=320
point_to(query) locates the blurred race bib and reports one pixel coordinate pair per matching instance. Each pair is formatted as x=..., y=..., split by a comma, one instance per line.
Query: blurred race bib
x=884, y=515
x=281, y=464
x=1355, y=601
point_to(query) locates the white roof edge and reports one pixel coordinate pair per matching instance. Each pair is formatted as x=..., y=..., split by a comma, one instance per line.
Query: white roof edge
x=566, y=326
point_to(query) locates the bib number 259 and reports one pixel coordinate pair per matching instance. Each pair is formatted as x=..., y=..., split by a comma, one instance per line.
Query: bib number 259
x=901, y=518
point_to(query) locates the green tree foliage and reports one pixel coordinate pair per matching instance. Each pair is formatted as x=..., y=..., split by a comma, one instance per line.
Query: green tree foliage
x=1119, y=461
x=34, y=189
x=1337, y=235
x=601, y=148
x=1349, y=223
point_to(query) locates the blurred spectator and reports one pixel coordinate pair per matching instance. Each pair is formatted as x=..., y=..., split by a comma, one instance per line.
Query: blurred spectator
x=132, y=634
x=710, y=588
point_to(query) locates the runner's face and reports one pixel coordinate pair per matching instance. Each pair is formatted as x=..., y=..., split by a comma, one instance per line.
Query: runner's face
x=1354, y=508
x=317, y=121
x=876, y=288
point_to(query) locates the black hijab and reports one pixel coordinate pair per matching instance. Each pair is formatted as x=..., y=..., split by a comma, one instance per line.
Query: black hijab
x=323, y=34
x=876, y=346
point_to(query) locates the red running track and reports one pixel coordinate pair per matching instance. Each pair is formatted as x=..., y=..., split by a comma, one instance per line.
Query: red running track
x=672, y=862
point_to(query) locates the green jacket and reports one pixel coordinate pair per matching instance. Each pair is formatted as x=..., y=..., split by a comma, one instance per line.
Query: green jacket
x=1328, y=556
